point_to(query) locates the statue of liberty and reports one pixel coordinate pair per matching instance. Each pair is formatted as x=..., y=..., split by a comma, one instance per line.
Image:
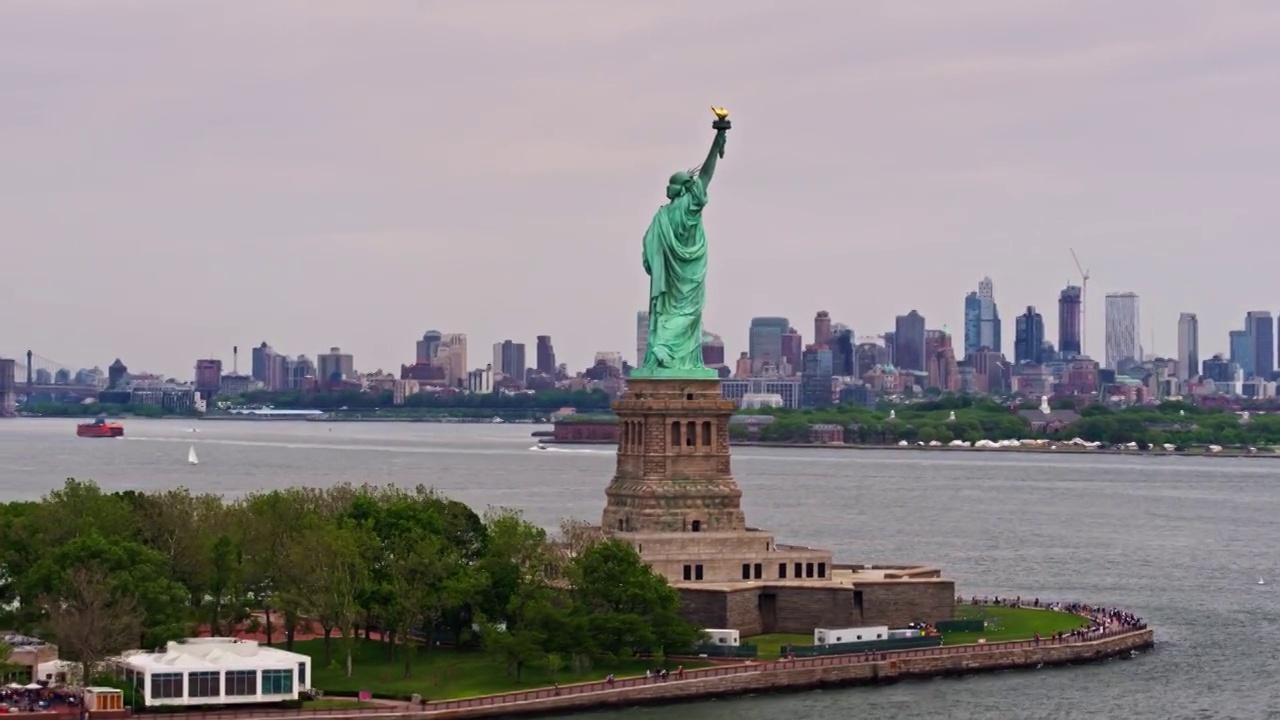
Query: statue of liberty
x=675, y=258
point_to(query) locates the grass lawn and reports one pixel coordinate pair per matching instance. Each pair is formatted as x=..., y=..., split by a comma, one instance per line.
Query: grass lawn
x=442, y=673
x=1005, y=623
x=769, y=646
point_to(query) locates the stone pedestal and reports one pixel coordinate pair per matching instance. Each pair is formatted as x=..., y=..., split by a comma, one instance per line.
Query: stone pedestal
x=673, y=470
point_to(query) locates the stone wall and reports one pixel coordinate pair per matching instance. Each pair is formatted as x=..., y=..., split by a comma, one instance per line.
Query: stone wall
x=898, y=602
x=803, y=674
x=799, y=608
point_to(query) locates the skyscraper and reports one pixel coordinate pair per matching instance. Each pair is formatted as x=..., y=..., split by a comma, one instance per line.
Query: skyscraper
x=428, y=347
x=815, y=377
x=1070, y=327
x=764, y=341
x=821, y=327
x=1028, y=345
x=508, y=359
x=642, y=336
x=1122, y=338
x=842, y=345
x=792, y=347
x=908, y=339
x=972, y=324
x=981, y=319
x=546, y=356
x=1188, y=346
x=1262, y=342
x=988, y=317
x=1241, y=352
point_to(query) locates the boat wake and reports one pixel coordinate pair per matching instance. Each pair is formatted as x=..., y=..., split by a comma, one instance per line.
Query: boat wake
x=545, y=448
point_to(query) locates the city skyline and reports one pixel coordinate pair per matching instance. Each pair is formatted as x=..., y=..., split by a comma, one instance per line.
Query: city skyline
x=307, y=191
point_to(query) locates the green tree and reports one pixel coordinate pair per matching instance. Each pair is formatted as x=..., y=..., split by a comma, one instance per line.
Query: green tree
x=625, y=604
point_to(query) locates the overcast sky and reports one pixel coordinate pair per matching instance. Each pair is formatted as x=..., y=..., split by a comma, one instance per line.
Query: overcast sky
x=182, y=177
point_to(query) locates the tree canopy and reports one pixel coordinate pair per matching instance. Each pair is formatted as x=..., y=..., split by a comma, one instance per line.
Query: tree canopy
x=99, y=573
x=978, y=418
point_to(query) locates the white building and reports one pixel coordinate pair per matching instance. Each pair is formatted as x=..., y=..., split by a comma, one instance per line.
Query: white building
x=216, y=671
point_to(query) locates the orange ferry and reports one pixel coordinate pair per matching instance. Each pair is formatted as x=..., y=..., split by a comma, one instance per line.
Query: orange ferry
x=100, y=428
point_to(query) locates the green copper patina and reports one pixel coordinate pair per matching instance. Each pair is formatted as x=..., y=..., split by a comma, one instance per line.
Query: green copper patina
x=675, y=258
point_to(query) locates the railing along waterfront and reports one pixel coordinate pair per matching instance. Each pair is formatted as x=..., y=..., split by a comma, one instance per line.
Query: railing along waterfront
x=771, y=666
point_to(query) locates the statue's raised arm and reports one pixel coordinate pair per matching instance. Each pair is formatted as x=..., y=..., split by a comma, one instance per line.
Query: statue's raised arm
x=721, y=126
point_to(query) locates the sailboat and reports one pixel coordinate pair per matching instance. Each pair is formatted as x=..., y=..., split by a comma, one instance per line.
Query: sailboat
x=1261, y=581
x=191, y=456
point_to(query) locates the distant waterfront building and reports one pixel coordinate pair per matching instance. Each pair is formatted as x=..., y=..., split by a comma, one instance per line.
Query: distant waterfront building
x=642, y=336
x=508, y=360
x=843, y=354
x=867, y=356
x=815, y=377
x=269, y=367
x=117, y=373
x=821, y=328
x=298, y=372
x=609, y=358
x=792, y=348
x=452, y=356
x=1218, y=369
x=335, y=366
x=1188, y=346
x=742, y=368
x=713, y=351
x=1028, y=344
x=208, y=378
x=428, y=347
x=786, y=388
x=481, y=380
x=1241, y=352
x=981, y=319
x=1262, y=342
x=764, y=341
x=1070, y=308
x=1122, y=332
x=908, y=337
x=546, y=356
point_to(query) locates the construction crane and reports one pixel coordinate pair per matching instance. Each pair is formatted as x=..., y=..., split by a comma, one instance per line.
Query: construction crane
x=1084, y=301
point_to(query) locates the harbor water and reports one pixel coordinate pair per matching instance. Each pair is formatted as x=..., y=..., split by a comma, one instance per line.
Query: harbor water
x=1180, y=541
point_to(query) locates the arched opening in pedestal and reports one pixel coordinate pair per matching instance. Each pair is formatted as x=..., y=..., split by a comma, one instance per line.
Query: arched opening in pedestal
x=696, y=526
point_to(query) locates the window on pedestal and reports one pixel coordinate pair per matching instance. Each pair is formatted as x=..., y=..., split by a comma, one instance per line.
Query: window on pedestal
x=782, y=571
x=675, y=434
x=799, y=570
x=758, y=571
x=706, y=433
x=697, y=572
x=688, y=572
x=822, y=570
x=696, y=526
x=808, y=570
x=746, y=571
x=691, y=433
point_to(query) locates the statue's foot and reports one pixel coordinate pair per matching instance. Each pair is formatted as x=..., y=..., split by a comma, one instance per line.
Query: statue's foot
x=662, y=356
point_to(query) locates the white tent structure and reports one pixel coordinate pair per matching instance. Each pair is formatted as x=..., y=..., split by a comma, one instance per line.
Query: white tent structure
x=216, y=671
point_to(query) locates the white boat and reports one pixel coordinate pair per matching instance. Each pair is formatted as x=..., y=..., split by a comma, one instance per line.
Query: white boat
x=191, y=456
x=1261, y=581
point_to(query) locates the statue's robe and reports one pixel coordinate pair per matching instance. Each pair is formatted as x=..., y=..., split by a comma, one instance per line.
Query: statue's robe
x=675, y=257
